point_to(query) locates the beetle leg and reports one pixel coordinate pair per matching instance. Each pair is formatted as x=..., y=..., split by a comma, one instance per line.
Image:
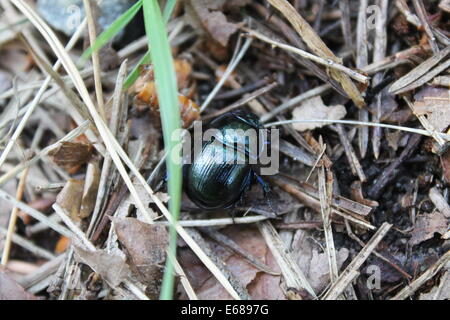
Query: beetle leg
x=267, y=193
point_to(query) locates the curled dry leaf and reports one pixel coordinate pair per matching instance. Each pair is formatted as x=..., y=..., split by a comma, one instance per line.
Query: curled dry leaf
x=433, y=103
x=62, y=244
x=69, y=198
x=78, y=196
x=314, y=108
x=427, y=225
x=112, y=268
x=89, y=191
x=11, y=290
x=146, y=246
x=204, y=16
x=71, y=155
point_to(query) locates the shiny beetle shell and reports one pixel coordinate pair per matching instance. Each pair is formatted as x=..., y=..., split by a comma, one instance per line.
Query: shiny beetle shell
x=211, y=183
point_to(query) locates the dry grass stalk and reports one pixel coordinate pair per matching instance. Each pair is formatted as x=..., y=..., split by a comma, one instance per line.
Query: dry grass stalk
x=362, y=60
x=290, y=270
x=310, y=37
x=407, y=82
x=353, y=160
x=10, y=174
x=427, y=275
x=28, y=245
x=13, y=218
x=95, y=59
x=326, y=62
x=352, y=269
x=325, y=195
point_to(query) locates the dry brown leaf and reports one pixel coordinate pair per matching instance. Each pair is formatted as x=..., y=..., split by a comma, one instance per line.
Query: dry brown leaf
x=146, y=246
x=314, y=108
x=260, y=285
x=205, y=15
x=434, y=104
x=315, y=265
x=427, y=225
x=71, y=155
x=89, y=197
x=69, y=198
x=111, y=268
x=11, y=290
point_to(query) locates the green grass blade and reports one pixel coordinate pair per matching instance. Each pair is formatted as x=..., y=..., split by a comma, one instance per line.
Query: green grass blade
x=120, y=23
x=168, y=9
x=166, y=87
x=134, y=74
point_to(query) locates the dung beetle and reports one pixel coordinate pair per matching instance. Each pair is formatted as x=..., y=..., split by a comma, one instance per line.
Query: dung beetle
x=211, y=181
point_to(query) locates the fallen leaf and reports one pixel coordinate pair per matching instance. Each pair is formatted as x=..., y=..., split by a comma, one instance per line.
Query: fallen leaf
x=112, y=268
x=319, y=271
x=204, y=16
x=69, y=198
x=427, y=225
x=71, y=155
x=314, y=108
x=11, y=290
x=90, y=189
x=315, y=265
x=433, y=103
x=260, y=285
x=146, y=246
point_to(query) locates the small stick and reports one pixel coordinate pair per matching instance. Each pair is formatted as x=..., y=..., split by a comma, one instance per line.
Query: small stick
x=378, y=55
x=404, y=9
x=13, y=218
